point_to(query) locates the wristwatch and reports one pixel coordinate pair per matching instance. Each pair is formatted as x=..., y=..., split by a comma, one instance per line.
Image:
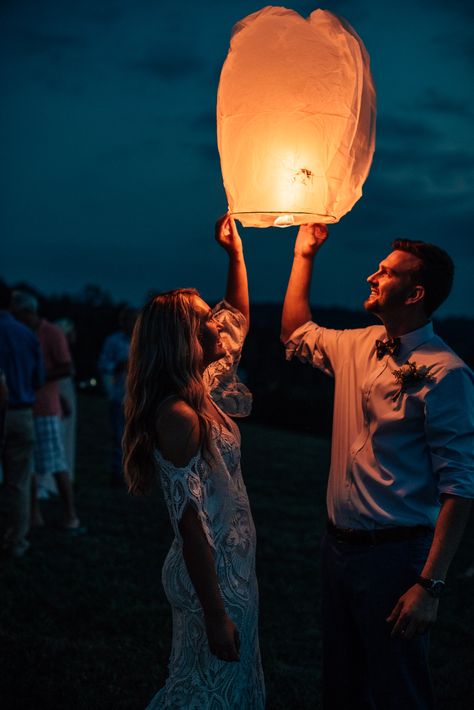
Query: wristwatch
x=435, y=587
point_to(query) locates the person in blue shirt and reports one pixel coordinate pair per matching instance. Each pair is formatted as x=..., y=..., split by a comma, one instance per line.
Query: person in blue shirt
x=22, y=364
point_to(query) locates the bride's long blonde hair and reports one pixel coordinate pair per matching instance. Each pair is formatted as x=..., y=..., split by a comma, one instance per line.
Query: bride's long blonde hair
x=165, y=359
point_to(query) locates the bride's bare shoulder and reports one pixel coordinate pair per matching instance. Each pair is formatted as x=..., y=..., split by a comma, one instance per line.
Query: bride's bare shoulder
x=178, y=431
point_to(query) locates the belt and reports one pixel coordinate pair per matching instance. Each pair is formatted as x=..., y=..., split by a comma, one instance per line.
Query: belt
x=357, y=536
x=14, y=407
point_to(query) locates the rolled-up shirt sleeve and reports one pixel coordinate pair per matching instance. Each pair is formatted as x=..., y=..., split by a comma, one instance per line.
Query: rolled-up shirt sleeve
x=315, y=345
x=449, y=423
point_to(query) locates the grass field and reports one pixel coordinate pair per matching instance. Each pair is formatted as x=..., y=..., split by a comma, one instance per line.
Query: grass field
x=84, y=624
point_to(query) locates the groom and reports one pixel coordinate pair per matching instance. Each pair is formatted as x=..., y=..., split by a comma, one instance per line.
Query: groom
x=401, y=477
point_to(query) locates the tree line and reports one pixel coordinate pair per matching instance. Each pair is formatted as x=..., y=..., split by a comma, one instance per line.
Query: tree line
x=286, y=394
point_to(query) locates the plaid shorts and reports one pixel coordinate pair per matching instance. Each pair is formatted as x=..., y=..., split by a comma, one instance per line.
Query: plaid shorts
x=49, y=448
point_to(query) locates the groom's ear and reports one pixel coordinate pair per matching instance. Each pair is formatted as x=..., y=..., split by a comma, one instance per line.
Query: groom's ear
x=416, y=295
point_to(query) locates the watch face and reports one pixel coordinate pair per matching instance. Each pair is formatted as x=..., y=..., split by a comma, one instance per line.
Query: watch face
x=435, y=587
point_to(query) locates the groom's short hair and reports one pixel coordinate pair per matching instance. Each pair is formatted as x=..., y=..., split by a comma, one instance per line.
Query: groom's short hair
x=435, y=272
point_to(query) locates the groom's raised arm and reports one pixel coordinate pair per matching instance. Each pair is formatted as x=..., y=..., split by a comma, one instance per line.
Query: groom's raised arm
x=296, y=310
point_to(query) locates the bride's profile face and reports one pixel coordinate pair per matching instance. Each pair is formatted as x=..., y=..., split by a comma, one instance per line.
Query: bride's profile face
x=211, y=343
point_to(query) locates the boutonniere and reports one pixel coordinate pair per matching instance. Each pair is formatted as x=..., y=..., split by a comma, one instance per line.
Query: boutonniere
x=410, y=375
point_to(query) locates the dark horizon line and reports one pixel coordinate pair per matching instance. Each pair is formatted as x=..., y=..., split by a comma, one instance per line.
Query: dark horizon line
x=119, y=302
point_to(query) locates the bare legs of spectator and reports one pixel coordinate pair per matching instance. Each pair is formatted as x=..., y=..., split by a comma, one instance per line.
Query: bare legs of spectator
x=64, y=484
x=66, y=494
x=36, y=516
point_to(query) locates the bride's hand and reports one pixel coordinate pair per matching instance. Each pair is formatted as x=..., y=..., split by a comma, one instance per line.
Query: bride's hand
x=223, y=637
x=227, y=235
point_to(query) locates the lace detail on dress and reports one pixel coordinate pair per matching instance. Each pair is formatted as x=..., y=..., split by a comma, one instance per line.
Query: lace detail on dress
x=183, y=486
x=197, y=679
x=232, y=396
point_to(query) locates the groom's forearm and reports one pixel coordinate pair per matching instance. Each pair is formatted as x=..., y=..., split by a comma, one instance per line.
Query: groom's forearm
x=417, y=609
x=449, y=529
x=296, y=310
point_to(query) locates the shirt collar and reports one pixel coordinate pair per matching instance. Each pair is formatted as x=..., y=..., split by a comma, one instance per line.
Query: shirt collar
x=411, y=341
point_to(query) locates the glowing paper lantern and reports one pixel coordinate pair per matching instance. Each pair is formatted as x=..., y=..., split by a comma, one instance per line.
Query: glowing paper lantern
x=295, y=118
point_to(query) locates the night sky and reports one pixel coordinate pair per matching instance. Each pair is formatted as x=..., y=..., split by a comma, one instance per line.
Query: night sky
x=110, y=173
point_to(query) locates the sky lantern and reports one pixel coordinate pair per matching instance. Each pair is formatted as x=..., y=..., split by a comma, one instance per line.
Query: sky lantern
x=295, y=118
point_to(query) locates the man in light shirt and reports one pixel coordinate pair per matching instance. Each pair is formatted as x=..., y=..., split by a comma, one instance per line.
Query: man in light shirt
x=401, y=478
x=112, y=366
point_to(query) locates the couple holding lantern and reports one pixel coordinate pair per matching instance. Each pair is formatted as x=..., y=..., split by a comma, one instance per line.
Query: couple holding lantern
x=399, y=490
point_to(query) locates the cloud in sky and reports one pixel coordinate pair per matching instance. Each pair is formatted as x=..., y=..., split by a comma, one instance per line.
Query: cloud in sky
x=401, y=130
x=111, y=173
x=34, y=42
x=169, y=66
x=463, y=9
x=435, y=100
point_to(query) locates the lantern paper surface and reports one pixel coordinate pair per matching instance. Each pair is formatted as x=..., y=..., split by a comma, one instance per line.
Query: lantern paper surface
x=295, y=118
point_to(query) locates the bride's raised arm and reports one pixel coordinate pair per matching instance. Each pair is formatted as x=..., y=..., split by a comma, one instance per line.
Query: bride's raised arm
x=232, y=314
x=237, y=291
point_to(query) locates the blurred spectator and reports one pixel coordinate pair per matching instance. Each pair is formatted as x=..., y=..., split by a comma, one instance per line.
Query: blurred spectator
x=50, y=458
x=67, y=393
x=3, y=406
x=112, y=366
x=22, y=365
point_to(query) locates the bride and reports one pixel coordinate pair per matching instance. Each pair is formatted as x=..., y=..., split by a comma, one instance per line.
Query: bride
x=181, y=389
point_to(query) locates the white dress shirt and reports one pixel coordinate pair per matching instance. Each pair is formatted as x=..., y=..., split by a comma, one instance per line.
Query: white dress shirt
x=394, y=453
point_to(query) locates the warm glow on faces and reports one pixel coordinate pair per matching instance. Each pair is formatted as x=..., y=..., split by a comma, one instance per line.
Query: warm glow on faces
x=211, y=344
x=391, y=285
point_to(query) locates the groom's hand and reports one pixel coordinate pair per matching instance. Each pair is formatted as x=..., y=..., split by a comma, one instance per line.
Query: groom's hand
x=414, y=613
x=310, y=238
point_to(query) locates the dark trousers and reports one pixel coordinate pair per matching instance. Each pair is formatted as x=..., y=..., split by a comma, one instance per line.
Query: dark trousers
x=363, y=666
x=17, y=461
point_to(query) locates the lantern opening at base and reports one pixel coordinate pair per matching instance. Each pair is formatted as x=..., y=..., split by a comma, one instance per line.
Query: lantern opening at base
x=281, y=219
x=295, y=118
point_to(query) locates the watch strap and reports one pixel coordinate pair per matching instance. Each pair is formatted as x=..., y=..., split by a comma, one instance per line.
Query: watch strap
x=435, y=587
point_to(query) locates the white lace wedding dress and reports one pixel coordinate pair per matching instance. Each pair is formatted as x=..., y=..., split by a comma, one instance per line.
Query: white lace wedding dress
x=197, y=679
